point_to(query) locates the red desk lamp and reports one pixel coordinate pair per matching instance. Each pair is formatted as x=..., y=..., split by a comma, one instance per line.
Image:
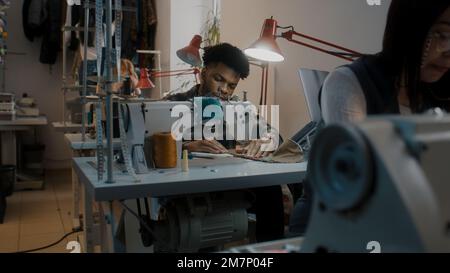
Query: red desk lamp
x=145, y=82
x=189, y=54
x=266, y=48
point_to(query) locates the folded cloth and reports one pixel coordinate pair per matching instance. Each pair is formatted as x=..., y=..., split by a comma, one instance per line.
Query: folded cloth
x=288, y=152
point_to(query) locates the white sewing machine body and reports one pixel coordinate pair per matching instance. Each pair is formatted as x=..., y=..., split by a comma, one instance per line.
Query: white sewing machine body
x=146, y=119
x=382, y=185
x=191, y=222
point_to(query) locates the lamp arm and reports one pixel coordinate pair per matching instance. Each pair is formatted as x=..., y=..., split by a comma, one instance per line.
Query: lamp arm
x=288, y=35
x=191, y=71
x=264, y=79
x=175, y=72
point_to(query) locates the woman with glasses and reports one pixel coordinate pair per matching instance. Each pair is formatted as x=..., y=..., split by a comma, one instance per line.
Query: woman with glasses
x=410, y=75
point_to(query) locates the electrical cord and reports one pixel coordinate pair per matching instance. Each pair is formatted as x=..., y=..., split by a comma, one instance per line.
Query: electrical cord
x=143, y=223
x=53, y=244
x=288, y=27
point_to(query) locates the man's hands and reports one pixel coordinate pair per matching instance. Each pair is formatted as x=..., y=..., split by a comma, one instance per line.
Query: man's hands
x=254, y=149
x=205, y=146
x=261, y=147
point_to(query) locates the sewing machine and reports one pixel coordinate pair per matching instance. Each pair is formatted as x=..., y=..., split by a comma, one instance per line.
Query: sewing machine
x=188, y=222
x=382, y=185
x=169, y=116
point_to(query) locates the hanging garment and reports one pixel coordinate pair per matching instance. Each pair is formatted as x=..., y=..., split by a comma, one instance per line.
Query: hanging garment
x=129, y=30
x=72, y=19
x=32, y=29
x=37, y=13
x=51, y=40
x=148, y=19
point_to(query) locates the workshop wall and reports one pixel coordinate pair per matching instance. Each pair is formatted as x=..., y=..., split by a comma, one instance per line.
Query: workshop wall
x=178, y=22
x=350, y=23
x=25, y=74
x=188, y=17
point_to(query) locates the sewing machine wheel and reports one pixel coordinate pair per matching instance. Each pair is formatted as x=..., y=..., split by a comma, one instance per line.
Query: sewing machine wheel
x=341, y=168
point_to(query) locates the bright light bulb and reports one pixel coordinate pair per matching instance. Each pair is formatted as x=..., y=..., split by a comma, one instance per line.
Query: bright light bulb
x=264, y=55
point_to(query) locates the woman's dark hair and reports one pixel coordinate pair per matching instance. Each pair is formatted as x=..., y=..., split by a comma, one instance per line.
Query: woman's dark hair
x=407, y=28
x=230, y=56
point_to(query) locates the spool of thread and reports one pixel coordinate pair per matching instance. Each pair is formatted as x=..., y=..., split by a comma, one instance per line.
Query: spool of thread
x=164, y=150
x=185, y=161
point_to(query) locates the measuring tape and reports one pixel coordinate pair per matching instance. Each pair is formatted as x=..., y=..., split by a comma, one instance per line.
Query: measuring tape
x=99, y=35
x=118, y=36
x=125, y=149
x=98, y=107
x=100, y=149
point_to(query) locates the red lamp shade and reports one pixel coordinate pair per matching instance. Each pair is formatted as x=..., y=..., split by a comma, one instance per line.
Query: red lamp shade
x=191, y=53
x=266, y=48
x=144, y=81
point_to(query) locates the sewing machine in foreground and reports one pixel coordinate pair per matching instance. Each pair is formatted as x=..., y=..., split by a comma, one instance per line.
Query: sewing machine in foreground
x=379, y=186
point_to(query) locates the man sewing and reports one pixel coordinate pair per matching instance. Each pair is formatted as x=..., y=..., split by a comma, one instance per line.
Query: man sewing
x=224, y=66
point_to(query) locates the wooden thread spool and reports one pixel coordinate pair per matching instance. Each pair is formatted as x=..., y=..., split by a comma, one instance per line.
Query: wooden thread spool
x=164, y=150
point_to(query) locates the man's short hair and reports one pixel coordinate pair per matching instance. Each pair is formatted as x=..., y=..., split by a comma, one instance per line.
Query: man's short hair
x=230, y=56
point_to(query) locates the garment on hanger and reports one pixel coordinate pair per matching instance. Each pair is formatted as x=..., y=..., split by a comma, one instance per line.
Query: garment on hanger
x=147, y=25
x=44, y=18
x=129, y=30
x=31, y=29
x=139, y=30
x=51, y=40
x=37, y=13
x=72, y=19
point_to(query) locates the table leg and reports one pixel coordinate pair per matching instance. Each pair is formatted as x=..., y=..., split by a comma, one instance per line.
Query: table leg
x=9, y=157
x=108, y=225
x=2, y=208
x=8, y=144
x=88, y=222
x=75, y=197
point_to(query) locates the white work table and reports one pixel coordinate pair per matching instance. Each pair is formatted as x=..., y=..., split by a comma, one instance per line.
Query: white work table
x=25, y=121
x=205, y=175
x=8, y=129
x=68, y=127
x=76, y=142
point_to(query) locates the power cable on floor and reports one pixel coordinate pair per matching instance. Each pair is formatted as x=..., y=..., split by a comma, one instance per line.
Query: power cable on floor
x=53, y=244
